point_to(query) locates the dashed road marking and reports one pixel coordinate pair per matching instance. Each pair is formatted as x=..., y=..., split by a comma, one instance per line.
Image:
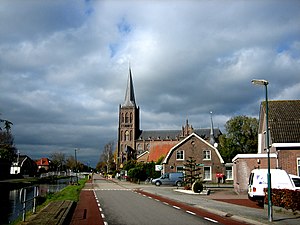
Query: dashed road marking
x=190, y=212
x=176, y=207
x=209, y=219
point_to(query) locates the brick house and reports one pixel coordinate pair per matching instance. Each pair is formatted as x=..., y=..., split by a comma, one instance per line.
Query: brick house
x=284, y=130
x=205, y=154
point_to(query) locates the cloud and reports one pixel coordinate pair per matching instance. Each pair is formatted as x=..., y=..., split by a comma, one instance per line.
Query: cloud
x=64, y=66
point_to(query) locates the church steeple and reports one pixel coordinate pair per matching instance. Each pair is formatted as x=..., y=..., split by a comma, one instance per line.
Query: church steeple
x=129, y=95
x=212, y=136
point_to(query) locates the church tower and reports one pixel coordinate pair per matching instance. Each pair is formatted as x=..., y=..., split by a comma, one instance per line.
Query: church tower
x=129, y=125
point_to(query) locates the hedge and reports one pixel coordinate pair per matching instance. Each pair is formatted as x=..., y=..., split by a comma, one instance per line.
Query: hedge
x=285, y=198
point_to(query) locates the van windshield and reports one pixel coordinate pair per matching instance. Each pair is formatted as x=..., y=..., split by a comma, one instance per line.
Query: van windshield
x=296, y=182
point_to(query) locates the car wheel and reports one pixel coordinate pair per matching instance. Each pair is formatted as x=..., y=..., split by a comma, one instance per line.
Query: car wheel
x=178, y=184
x=157, y=183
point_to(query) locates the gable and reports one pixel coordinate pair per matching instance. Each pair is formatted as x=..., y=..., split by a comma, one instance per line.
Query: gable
x=186, y=140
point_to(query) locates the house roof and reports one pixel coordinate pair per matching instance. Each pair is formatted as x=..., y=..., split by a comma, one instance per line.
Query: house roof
x=43, y=162
x=186, y=139
x=159, y=149
x=284, y=120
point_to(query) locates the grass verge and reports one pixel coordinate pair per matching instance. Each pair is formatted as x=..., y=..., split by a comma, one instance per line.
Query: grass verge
x=71, y=192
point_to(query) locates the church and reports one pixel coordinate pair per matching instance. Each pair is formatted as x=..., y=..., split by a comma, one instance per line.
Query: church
x=174, y=147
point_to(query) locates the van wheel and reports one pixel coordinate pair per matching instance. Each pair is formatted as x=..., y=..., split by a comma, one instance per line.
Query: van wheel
x=157, y=183
x=178, y=184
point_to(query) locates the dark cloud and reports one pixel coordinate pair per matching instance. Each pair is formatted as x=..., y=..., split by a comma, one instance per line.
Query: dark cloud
x=64, y=66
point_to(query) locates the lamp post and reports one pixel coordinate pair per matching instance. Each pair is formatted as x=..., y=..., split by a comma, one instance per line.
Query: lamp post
x=76, y=166
x=265, y=83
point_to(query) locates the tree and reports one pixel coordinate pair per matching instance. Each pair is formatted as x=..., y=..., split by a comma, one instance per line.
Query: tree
x=107, y=157
x=192, y=171
x=241, y=137
x=58, y=160
x=7, y=148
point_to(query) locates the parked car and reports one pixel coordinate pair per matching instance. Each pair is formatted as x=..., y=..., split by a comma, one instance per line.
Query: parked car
x=169, y=179
x=258, y=181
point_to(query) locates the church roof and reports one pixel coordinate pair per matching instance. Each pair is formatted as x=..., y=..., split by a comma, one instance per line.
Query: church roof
x=175, y=134
x=129, y=95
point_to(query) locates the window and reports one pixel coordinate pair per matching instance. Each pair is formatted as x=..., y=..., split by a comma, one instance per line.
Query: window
x=179, y=169
x=206, y=155
x=126, y=135
x=229, y=173
x=179, y=155
x=298, y=166
x=207, y=173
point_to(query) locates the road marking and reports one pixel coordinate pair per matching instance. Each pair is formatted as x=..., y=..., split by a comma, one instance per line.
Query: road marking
x=149, y=197
x=105, y=223
x=176, y=207
x=166, y=203
x=157, y=200
x=99, y=204
x=102, y=215
x=190, y=212
x=209, y=219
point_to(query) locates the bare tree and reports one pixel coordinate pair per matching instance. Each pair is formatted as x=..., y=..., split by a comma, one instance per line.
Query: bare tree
x=58, y=160
x=107, y=156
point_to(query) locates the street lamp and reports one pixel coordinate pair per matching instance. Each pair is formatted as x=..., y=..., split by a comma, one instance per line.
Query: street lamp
x=76, y=166
x=265, y=83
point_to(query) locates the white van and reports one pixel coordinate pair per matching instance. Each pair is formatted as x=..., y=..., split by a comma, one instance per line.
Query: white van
x=258, y=181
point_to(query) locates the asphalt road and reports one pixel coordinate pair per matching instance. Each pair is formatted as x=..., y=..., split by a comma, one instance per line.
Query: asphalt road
x=123, y=206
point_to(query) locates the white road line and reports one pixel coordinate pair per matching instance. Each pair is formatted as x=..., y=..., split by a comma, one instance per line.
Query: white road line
x=100, y=209
x=99, y=204
x=209, y=219
x=149, y=197
x=176, y=207
x=190, y=212
x=102, y=215
x=105, y=223
x=166, y=203
x=157, y=200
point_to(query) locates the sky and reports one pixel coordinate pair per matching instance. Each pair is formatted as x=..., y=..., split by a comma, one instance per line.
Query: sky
x=64, y=66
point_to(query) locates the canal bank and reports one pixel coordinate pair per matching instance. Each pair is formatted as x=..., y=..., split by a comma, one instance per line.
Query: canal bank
x=13, y=191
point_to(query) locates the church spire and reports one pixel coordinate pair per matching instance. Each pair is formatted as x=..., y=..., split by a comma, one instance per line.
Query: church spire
x=212, y=136
x=129, y=95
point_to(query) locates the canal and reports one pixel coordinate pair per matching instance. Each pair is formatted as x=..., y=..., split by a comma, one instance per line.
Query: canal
x=10, y=203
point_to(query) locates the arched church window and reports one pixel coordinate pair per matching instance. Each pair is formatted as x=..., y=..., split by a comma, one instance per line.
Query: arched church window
x=130, y=117
x=126, y=135
x=123, y=119
x=122, y=136
x=130, y=136
x=148, y=146
x=126, y=118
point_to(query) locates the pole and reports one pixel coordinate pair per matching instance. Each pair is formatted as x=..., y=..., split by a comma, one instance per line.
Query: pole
x=76, y=167
x=270, y=213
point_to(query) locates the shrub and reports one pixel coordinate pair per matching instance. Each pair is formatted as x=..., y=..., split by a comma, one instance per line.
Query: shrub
x=285, y=198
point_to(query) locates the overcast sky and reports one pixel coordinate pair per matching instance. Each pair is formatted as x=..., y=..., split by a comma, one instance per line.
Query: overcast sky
x=64, y=66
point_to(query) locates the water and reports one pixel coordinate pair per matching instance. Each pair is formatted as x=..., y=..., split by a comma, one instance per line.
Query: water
x=11, y=206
